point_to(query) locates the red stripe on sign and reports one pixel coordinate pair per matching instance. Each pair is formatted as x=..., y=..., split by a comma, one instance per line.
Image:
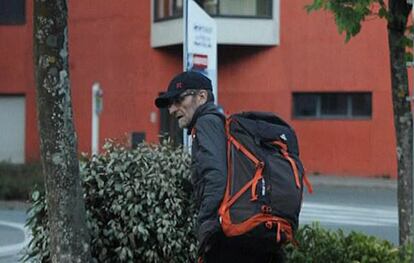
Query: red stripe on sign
x=200, y=61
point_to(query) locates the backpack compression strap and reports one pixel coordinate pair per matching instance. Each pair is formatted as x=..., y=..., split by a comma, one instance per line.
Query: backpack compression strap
x=259, y=168
x=284, y=151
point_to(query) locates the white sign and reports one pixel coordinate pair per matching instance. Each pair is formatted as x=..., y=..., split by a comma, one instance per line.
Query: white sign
x=200, y=43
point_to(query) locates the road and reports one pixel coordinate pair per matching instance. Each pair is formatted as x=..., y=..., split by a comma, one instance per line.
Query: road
x=360, y=206
x=371, y=210
x=13, y=237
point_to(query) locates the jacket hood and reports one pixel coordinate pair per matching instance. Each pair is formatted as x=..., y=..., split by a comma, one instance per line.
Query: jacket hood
x=207, y=108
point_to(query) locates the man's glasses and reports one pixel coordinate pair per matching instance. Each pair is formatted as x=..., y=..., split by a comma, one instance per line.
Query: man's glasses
x=181, y=97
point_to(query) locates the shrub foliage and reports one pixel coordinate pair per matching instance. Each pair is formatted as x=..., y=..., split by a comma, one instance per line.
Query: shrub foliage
x=138, y=206
x=321, y=245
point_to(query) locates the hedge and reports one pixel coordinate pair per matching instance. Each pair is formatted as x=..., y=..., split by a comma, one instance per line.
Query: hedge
x=17, y=181
x=317, y=244
x=138, y=206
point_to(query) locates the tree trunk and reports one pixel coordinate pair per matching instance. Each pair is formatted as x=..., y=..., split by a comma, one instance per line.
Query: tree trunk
x=69, y=238
x=399, y=12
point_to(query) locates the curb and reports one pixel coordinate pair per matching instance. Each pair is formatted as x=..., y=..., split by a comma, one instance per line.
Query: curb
x=349, y=181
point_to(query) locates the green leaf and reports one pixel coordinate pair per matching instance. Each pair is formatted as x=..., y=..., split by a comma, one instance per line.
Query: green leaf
x=35, y=195
x=383, y=13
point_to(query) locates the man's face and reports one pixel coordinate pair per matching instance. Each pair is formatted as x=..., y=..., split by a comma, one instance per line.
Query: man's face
x=184, y=106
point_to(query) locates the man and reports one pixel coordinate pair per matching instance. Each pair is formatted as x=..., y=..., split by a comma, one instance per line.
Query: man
x=190, y=100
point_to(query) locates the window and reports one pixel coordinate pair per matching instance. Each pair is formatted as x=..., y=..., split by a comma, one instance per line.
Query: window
x=12, y=12
x=249, y=8
x=235, y=8
x=168, y=9
x=337, y=105
x=169, y=127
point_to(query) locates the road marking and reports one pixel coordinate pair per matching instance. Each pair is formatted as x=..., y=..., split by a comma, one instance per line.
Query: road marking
x=11, y=250
x=349, y=215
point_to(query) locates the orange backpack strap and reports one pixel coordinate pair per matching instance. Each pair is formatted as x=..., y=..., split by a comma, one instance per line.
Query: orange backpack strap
x=284, y=150
x=307, y=183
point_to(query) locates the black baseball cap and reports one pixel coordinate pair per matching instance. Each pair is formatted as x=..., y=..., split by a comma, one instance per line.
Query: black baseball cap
x=180, y=83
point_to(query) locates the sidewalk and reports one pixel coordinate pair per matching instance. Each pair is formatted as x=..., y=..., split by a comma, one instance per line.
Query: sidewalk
x=352, y=181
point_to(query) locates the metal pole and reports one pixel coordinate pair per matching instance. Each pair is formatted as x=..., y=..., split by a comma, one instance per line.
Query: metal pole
x=186, y=140
x=96, y=108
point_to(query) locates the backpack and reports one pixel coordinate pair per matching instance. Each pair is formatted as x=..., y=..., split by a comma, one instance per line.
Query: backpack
x=264, y=191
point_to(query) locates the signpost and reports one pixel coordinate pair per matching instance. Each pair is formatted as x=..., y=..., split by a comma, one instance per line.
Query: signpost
x=199, y=46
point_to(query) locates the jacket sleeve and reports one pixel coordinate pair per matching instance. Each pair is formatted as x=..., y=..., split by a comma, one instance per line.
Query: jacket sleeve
x=212, y=164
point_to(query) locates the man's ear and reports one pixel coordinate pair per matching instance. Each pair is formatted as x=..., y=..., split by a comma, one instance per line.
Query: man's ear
x=203, y=96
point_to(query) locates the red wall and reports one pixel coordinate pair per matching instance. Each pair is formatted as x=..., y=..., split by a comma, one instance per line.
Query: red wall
x=109, y=42
x=17, y=75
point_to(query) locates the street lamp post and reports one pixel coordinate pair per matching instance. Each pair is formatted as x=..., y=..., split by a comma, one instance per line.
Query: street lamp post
x=96, y=111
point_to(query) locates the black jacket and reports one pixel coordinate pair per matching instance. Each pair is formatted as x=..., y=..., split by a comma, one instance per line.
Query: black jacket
x=208, y=166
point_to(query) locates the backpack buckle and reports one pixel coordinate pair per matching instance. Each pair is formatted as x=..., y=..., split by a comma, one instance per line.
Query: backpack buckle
x=269, y=224
x=266, y=209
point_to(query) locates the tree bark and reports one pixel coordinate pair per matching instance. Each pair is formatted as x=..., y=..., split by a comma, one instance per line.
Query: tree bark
x=69, y=238
x=399, y=12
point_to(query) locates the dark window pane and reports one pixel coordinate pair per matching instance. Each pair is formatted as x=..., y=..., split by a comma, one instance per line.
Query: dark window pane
x=264, y=8
x=169, y=127
x=244, y=8
x=12, y=12
x=333, y=104
x=305, y=105
x=210, y=6
x=168, y=8
x=361, y=104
